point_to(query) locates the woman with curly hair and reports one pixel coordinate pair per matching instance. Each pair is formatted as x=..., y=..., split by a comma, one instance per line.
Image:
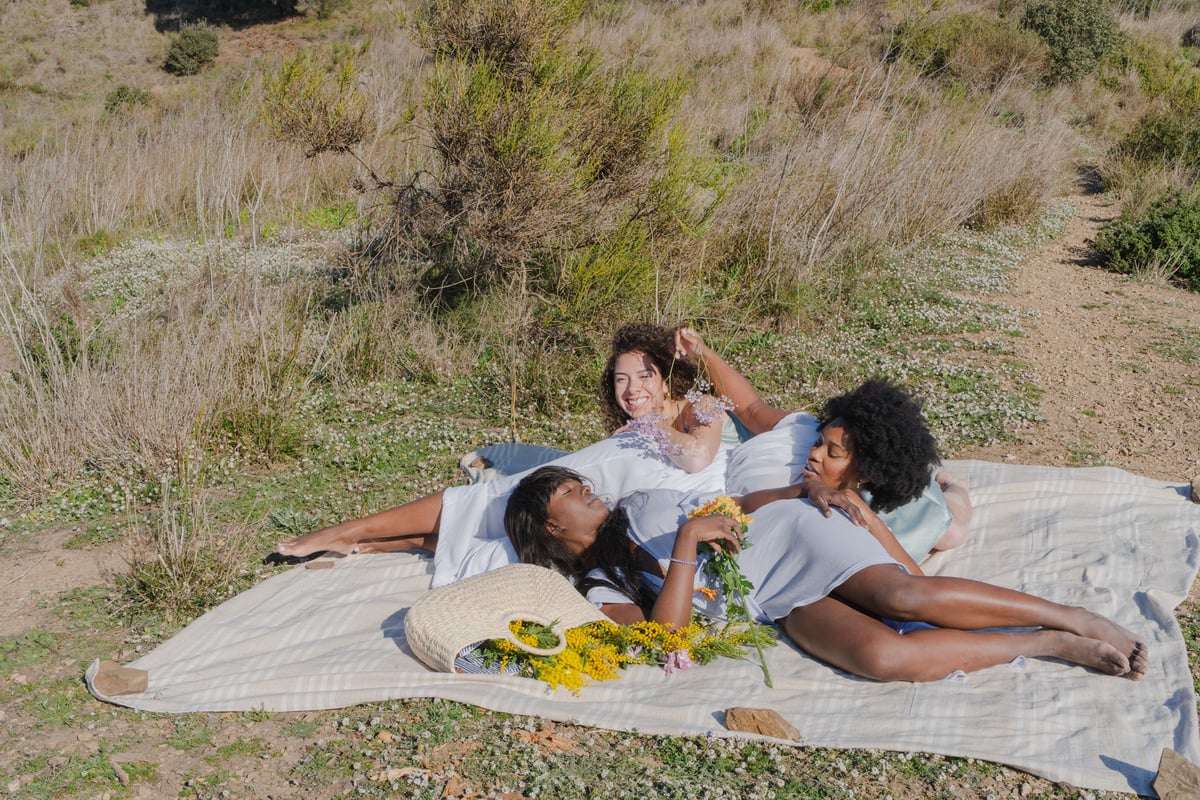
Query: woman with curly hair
x=878, y=426
x=832, y=586
x=645, y=387
x=677, y=443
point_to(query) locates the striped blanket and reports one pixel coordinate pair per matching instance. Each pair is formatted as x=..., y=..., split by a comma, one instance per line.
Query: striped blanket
x=1121, y=545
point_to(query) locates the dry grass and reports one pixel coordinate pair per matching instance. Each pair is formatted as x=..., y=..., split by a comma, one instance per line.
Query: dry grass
x=126, y=394
x=181, y=562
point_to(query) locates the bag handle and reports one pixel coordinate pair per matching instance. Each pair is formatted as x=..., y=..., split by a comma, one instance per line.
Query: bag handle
x=552, y=624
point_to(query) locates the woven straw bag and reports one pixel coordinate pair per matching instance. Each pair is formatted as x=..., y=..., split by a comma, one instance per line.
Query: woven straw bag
x=446, y=620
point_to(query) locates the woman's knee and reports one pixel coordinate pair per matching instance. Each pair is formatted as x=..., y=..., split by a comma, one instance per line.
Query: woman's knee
x=892, y=659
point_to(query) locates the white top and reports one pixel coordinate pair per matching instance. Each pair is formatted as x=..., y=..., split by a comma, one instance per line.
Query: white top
x=471, y=537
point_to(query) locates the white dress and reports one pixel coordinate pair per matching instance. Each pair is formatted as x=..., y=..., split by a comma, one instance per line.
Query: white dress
x=796, y=556
x=471, y=537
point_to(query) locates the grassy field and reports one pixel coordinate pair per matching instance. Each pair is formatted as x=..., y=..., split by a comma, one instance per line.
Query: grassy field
x=297, y=285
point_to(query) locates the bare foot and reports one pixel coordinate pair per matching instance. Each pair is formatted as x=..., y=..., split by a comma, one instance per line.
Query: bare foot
x=1094, y=653
x=335, y=539
x=1094, y=626
x=1138, y=663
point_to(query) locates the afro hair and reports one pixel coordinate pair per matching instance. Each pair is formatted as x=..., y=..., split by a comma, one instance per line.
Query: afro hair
x=892, y=447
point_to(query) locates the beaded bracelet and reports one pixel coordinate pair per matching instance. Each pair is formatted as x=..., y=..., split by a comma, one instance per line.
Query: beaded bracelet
x=681, y=561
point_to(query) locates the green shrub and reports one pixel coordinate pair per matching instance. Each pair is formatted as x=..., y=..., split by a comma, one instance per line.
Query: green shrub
x=1170, y=139
x=970, y=49
x=1163, y=73
x=1165, y=239
x=1079, y=33
x=549, y=161
x=124, y=99
x=192, y=48
x=317, y=106
x=327, y=8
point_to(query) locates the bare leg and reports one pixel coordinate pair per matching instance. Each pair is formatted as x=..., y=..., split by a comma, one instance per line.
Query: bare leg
x=412, y=525
x=851, y=640
x=958, y=500
x=969, y=605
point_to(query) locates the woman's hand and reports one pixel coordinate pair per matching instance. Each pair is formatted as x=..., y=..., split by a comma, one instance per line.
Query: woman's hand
x=826, y=498
x=689, y=344
x=716, y=529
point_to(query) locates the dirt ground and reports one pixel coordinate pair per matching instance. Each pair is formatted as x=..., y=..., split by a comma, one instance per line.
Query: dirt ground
x=1097, y=345
x=1111, y=395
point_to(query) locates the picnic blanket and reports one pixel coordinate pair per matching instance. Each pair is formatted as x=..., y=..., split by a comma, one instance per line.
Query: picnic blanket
x=1119, y=544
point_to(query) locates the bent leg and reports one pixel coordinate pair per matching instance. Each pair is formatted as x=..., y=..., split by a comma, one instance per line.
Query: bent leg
x=409, y=526
x=851, y=640
x=970, y=605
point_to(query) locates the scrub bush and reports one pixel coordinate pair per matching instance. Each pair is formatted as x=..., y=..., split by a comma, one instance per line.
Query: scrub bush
x=552, y=167
x=192, y=48
x=1163, y=73
x=1165, y=238
x=970, y=49
x=1169, y=139
x=124, y=99
x=317, y=106
x=1079, y=33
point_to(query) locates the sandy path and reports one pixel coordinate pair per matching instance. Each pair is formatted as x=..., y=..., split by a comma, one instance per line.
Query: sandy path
x=1100, y=347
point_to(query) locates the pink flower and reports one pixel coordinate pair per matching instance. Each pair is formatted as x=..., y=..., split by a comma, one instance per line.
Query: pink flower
x=678, y=660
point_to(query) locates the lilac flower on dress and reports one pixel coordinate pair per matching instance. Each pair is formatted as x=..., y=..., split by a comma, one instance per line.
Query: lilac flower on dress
x=649, y=428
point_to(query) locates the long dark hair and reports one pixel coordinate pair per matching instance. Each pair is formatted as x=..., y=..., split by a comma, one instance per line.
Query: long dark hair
x=526, y=521
x=892, y=447
x=658, y=343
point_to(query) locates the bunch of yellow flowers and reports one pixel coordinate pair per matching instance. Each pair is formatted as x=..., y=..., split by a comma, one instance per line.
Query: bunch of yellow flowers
x=599, y=650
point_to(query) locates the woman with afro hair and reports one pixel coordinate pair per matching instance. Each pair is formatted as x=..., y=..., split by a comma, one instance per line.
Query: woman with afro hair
x=873, y=454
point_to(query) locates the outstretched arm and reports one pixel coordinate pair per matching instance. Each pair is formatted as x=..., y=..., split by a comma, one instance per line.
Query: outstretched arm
x=751, y=409
x=826, y=498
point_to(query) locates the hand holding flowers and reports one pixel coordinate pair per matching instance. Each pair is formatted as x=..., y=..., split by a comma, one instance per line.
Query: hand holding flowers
x=724, y=516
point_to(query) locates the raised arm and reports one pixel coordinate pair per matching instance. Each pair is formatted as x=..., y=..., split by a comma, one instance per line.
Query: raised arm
x=696, y=445
x=673, y=608
x=752, y=410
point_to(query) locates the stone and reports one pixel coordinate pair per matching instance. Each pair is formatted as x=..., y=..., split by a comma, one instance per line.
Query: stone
x=1177, y=778
x=114, y=680
x=764, y=721
x=1196, y=489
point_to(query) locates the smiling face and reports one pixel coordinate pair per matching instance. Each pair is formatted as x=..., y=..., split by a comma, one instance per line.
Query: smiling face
x=832, y=458
x=638, y=385
x=574, y=515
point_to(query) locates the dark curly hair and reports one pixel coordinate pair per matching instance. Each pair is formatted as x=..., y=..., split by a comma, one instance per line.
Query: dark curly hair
x=658, y=343
x=891, y=445
x=526, y=518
